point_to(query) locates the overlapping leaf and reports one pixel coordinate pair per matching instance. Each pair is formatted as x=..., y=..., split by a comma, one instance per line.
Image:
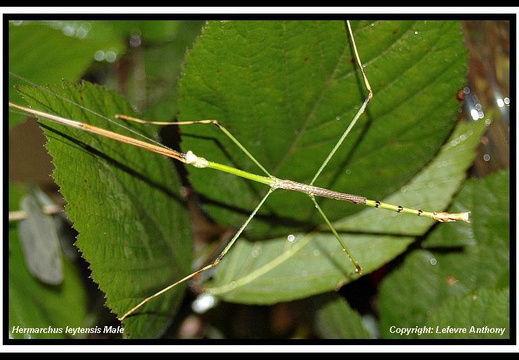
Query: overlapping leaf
x=478, y=259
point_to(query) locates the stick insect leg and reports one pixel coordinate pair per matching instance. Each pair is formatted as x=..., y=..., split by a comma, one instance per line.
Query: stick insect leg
x=358, y=268
x=359, y=112
x=207, y=267
x=214, y=122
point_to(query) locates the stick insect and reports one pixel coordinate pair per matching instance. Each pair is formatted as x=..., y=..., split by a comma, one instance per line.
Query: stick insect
x=203, y=161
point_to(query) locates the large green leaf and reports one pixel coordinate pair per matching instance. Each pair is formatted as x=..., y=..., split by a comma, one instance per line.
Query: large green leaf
x=288, y=89
x=124, y=202
x=471, y=257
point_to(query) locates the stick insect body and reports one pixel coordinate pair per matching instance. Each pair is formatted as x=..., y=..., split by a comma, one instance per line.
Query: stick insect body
x=274, y=183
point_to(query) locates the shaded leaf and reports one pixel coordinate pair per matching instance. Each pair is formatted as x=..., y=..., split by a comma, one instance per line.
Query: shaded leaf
x=439, y=274
x=32, y=55
x=335, y=319
x=484, y=314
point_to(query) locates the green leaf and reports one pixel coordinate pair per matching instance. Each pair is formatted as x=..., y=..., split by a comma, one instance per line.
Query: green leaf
x=35, y=306
x=484, y=314
x=288, y=89
x=124, y=202
x=266, y=272
x=438, y=274
x=335, y=319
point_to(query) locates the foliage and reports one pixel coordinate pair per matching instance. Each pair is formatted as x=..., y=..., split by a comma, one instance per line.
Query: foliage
x=286, y=90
